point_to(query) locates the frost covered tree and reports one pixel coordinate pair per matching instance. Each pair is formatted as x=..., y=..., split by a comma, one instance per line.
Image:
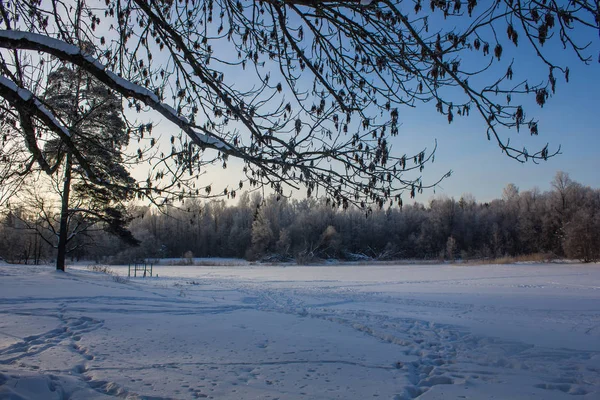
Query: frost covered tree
x=306, y=94
x=451, y=248
x=19, y=243
x=582, y=234
x=256, y=227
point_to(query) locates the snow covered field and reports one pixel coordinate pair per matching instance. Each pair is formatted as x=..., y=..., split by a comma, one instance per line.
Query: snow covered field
x=328, y=332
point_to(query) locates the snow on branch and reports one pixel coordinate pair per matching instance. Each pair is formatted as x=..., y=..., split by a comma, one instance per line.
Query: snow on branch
x=32, y=41
x=29, y=105
x=9, y=90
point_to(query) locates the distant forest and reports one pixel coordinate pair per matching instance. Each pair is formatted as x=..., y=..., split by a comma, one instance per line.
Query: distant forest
x=563, y=222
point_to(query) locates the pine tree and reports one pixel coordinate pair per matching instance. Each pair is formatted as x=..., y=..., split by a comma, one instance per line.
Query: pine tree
x=93, y=114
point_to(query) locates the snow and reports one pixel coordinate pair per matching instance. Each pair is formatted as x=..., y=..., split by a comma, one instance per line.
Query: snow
x=217, y=143
x=44, y=40
x=247, y=331
x=26, y=95
x=129, y=87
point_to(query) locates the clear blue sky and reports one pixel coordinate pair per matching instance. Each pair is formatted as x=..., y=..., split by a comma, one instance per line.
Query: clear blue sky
x=570, y=119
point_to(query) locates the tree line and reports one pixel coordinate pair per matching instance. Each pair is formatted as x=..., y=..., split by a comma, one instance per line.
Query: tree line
x=320, y=105
x=563, y=222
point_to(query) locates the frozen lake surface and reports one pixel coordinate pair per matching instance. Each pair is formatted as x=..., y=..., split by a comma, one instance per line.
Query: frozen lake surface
x=526, y=331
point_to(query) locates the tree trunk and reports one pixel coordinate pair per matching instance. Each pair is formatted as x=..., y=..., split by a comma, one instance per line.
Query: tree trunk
x=64, y=217
x=37, y=250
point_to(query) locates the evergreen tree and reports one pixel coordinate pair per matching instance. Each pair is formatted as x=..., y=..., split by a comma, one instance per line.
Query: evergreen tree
x=93, y=115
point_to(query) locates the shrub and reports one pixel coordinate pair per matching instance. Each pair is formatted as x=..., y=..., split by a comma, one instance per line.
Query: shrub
x=104, y=269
